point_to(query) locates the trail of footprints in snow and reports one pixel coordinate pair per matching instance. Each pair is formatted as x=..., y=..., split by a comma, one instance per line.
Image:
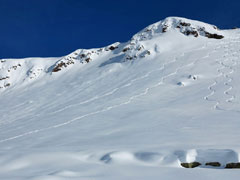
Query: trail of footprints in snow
x=161, y=82
x=131, y=82
x=123, y=86
x=228, y=76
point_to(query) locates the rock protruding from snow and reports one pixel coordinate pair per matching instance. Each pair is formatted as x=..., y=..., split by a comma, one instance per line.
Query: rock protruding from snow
x=83, y=56
x=182, y=25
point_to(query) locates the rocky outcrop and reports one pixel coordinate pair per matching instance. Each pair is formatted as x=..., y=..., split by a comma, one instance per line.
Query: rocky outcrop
x=190, y=165
x=62, y=64
x=214, y=164
x=82, y=56
x=184, y=26
x=233, y=165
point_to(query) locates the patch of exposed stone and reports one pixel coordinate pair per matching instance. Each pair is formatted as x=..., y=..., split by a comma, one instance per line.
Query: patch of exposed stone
x=185, y=28
x=213, y=36
x=135, y=50
x=61, y=65
x=188, y=32
x=233, y=165
x=164, y=29
x=190, y=165
x=83, y=56
x=111, y=48
x=212, y=164
x=4, y=78
x=5, y=85
x=15, y=67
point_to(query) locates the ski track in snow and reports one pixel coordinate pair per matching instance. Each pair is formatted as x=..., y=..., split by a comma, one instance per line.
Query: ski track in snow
x=227, y=76
x=146, y=91
x=110, y=93
x=117, y=89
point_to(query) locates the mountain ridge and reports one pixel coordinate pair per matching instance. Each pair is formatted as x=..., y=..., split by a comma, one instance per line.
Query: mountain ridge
x=133, y=49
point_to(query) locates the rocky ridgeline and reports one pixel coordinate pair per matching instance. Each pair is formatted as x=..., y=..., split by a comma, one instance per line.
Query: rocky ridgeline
x=134, y=49
x=184, y=26
x=131, y=51
x=83, y=56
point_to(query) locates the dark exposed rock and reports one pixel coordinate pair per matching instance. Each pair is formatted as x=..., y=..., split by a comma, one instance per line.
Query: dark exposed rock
x=3, y=78
x=214, y=36
x=82, y=55
x=125, y=49
x=233, y=165
x=214, y=164
x=112, y=48
x=194, y=33
x=88, y=60
x=131, y=57
x=61, y=65
x=190, y=165
x=140, y=48
x=184, y=24
x=192, y=77
x=164, y=29
x=7, y=85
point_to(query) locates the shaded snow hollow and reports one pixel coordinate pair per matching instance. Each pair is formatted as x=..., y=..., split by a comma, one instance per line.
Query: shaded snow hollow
x=143, y=109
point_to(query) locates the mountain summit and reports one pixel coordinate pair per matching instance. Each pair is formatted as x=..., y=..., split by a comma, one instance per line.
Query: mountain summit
x=167, y=99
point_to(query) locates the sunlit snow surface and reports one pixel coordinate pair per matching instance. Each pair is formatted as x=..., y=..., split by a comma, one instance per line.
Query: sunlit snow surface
x=115, y=118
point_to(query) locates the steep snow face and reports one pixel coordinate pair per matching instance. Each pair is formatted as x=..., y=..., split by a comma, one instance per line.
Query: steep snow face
x=143, y=109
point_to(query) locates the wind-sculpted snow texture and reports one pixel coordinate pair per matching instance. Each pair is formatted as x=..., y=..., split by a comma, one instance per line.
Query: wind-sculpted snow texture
x=168, y=98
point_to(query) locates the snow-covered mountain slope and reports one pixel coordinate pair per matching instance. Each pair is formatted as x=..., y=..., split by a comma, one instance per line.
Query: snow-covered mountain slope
x=133, y=110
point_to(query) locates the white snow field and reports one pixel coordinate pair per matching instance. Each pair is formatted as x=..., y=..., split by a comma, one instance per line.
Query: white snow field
x=128, y=111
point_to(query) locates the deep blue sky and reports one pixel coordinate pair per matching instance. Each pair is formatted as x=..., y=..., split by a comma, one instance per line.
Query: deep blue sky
x=47, y=28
